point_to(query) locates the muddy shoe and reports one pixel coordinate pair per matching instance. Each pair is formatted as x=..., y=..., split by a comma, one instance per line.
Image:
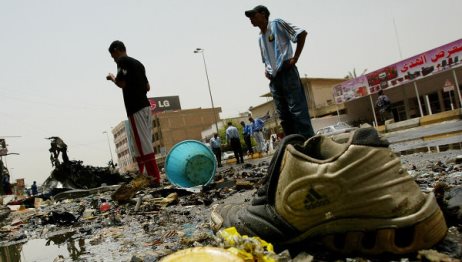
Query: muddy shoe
x=355, y=197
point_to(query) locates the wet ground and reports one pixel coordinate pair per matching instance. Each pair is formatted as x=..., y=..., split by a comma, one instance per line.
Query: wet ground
x=158, y=222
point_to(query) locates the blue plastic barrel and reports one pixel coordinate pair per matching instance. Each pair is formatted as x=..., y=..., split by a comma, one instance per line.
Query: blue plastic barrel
x=190, y=163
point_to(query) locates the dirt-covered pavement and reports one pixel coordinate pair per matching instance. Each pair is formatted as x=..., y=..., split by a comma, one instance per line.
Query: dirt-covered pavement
x=158, y=222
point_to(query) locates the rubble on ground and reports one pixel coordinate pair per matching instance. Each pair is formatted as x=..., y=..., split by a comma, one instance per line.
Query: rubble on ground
x=148, y=223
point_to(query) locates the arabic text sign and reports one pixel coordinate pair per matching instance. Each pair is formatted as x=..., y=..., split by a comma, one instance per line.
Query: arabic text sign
x=416, y=67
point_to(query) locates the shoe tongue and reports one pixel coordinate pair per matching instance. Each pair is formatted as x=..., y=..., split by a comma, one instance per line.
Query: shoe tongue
x=368, y=137
x=321, y=148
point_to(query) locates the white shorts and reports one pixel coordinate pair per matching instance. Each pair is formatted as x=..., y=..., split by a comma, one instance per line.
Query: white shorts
x=141, y=125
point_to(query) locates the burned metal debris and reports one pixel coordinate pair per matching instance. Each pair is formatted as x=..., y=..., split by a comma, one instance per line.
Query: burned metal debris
x=57, y=146
x=73, y=174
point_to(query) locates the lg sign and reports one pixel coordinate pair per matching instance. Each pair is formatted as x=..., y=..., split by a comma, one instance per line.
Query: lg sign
x=164, y=103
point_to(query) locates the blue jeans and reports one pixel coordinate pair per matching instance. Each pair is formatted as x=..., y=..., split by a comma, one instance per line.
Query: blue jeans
x=290, y=99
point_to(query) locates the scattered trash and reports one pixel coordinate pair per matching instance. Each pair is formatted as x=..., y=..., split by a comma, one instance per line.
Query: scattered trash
x=128, y=191
x=105, y=206
x=89, y=214
x=4, y=212
x=153, y=223
x=202, y=254
x=303, y=257
x=62, y=218
x=243, y=184
x=248, y=248
x=433, y=256
x=171, y=198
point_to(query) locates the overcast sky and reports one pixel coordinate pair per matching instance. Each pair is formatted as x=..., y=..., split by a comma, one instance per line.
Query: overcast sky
x=55, y=59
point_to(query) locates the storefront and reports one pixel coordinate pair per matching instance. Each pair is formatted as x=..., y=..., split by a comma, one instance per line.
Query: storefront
x=431, y=76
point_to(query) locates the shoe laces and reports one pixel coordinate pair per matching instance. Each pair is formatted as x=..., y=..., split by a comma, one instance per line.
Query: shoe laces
x=269, y=181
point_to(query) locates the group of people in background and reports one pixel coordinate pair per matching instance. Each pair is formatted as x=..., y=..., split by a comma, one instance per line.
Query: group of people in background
x=253, y=129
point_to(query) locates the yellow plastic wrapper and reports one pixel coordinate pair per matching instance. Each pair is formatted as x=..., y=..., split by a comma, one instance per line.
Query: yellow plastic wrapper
x=248, y=248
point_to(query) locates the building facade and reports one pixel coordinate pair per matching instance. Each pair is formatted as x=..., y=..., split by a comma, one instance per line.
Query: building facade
x=124, y=153
x=421, y=85
x=177, y=126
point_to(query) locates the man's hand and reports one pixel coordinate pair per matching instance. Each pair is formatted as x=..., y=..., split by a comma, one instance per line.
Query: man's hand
x=110, y=77
x=293, y=61
x=117, y=82
x=267, y=75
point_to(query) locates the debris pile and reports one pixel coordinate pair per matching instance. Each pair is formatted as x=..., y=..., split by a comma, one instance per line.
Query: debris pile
x=75, y=175
x=137, y=222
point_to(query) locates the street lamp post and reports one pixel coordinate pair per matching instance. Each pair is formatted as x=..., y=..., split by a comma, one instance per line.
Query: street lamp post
x=109, y=145
x=201, y=51
x=7, y=154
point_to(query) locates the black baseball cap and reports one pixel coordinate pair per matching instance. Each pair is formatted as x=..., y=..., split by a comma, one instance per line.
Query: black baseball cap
x=258, y=9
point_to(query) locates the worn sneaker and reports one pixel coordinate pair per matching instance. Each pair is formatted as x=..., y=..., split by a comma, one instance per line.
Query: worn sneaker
x=354, y=196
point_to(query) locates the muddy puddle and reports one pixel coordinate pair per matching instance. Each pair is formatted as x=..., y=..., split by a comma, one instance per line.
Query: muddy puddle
x=42, y=250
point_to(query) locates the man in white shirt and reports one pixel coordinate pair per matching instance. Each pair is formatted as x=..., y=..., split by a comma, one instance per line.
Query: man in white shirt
x=215, y=143
x=232, y=136
x=279, y=59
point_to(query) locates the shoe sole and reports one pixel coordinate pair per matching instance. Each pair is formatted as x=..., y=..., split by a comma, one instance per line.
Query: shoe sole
x=422, y=235
x=376, y=236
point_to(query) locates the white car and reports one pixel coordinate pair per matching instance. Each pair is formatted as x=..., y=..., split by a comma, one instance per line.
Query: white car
x=339, y=128
x=228, y=155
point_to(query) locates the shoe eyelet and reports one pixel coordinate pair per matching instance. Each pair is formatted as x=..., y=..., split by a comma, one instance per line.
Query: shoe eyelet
x=328, y=215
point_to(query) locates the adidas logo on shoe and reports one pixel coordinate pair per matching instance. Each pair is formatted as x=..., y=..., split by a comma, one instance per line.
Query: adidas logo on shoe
x=313, y=199
x=355, y=196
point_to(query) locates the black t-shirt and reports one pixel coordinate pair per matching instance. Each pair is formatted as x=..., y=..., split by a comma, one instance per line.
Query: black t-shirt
x=133, y=73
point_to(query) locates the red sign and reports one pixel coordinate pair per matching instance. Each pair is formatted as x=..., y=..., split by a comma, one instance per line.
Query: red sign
x=164, y=103
x=433, y=61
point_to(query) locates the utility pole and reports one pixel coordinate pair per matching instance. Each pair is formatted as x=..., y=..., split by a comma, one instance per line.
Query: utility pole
x=201, y=51
x=109, y=145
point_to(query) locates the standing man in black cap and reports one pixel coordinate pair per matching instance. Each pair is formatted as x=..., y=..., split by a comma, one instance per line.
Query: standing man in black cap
x=131, y=78
x=279, y=59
